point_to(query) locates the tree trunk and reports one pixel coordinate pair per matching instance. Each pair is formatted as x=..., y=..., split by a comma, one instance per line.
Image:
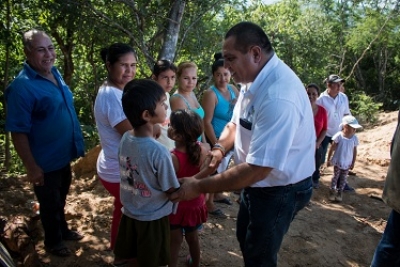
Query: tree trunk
x=358, y=73
x=66, y=48
x=92, y=92
x=7, y=154
x=382, y=71
x=168, y=49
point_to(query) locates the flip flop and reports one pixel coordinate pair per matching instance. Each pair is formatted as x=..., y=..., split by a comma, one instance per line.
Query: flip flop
x=72, y=235
x=189, y=261
x=218, y=213
x=120, y=264
x=226, y=201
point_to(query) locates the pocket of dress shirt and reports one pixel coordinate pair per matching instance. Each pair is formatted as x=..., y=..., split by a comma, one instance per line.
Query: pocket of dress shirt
x=246, y=124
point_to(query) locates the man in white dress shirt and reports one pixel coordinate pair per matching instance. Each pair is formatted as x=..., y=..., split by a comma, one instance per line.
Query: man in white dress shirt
x=273, y=131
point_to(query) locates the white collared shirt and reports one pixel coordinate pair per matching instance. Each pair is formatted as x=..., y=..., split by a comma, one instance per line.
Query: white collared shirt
x=280, y=134
x=336, y=109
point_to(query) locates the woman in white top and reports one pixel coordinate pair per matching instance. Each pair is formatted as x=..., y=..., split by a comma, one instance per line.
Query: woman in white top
x=121, y=62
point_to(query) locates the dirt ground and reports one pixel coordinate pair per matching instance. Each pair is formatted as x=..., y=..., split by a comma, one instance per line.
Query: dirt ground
x=323, y=234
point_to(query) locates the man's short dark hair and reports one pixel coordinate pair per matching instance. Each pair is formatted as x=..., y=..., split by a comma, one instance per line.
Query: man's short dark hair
x=248, y=34
x=140, y=95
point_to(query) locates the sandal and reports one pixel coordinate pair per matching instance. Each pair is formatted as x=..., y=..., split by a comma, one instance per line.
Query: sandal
x=72, y=235
x=120, y=264
x=60, y=250
x=218, y=213
x=189, y=261
x=226, y=201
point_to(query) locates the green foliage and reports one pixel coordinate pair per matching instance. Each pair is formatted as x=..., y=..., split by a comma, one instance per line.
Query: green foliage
x=90, y=136
x=365, y=108
x=16, y=166
x=355, y=39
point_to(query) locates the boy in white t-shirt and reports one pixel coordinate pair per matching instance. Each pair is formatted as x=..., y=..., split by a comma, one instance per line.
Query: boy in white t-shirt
x=344, y=150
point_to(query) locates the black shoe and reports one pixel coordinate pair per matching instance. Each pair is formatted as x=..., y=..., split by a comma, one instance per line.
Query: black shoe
x=72, y=235
x=352, y=173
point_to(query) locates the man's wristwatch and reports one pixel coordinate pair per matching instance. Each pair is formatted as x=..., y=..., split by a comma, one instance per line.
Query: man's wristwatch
x=219, y=147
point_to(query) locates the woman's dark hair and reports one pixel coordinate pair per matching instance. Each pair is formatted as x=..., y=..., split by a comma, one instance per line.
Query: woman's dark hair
x=248, y=34
x=313, y=85
x=113, y=53
x=163, y=65
x=189, y=125
x=140, y=95
x=218, y=62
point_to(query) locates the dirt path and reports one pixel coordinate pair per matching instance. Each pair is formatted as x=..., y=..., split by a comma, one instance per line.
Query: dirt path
x=323, y=234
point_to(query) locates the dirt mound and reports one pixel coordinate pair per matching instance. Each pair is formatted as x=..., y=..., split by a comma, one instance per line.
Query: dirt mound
x=376, y=139
x=87, y=164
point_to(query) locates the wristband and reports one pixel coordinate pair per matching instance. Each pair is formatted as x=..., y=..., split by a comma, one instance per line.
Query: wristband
x=220, y=148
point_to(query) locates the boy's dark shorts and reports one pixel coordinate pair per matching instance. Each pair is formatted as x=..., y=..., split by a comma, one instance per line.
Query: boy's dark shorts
x=147, y=241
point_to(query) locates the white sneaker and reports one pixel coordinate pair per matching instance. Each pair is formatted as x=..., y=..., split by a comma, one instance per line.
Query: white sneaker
x=332, y=194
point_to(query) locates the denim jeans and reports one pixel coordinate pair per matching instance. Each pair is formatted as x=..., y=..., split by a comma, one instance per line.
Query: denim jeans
x=387, y=253
x=51, y=197
x=324, y=145
x=318, y=158
x=264, y=218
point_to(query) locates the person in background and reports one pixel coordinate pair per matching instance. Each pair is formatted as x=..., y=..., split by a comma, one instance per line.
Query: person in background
x=218, y=103
x=164, y=73
x=342, y=155
x=188, y=156
x=121, y=62
x=273, y=131
x=147, y=175
x=320, y=124
x=387, y=252
x=336, y=105
x=184, y=97
x=46, y=134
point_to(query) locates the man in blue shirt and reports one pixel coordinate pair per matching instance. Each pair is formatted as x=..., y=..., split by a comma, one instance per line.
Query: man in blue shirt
x=46, y=135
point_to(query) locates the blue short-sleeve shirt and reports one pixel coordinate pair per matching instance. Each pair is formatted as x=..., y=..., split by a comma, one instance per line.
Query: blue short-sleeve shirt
x=46, y=114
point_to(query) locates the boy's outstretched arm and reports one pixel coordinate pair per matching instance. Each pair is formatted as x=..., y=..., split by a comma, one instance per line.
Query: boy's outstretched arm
x=172, y=190
x=205, y=169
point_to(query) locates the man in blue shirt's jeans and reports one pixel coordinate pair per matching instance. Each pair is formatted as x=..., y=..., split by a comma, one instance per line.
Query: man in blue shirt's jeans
x=46, y=134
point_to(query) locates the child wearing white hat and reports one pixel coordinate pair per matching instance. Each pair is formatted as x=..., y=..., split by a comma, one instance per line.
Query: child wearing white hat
x=344, y=150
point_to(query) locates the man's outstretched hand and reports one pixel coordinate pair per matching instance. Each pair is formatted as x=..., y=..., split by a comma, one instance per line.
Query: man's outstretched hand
x=216, y=158
x=189, y=189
